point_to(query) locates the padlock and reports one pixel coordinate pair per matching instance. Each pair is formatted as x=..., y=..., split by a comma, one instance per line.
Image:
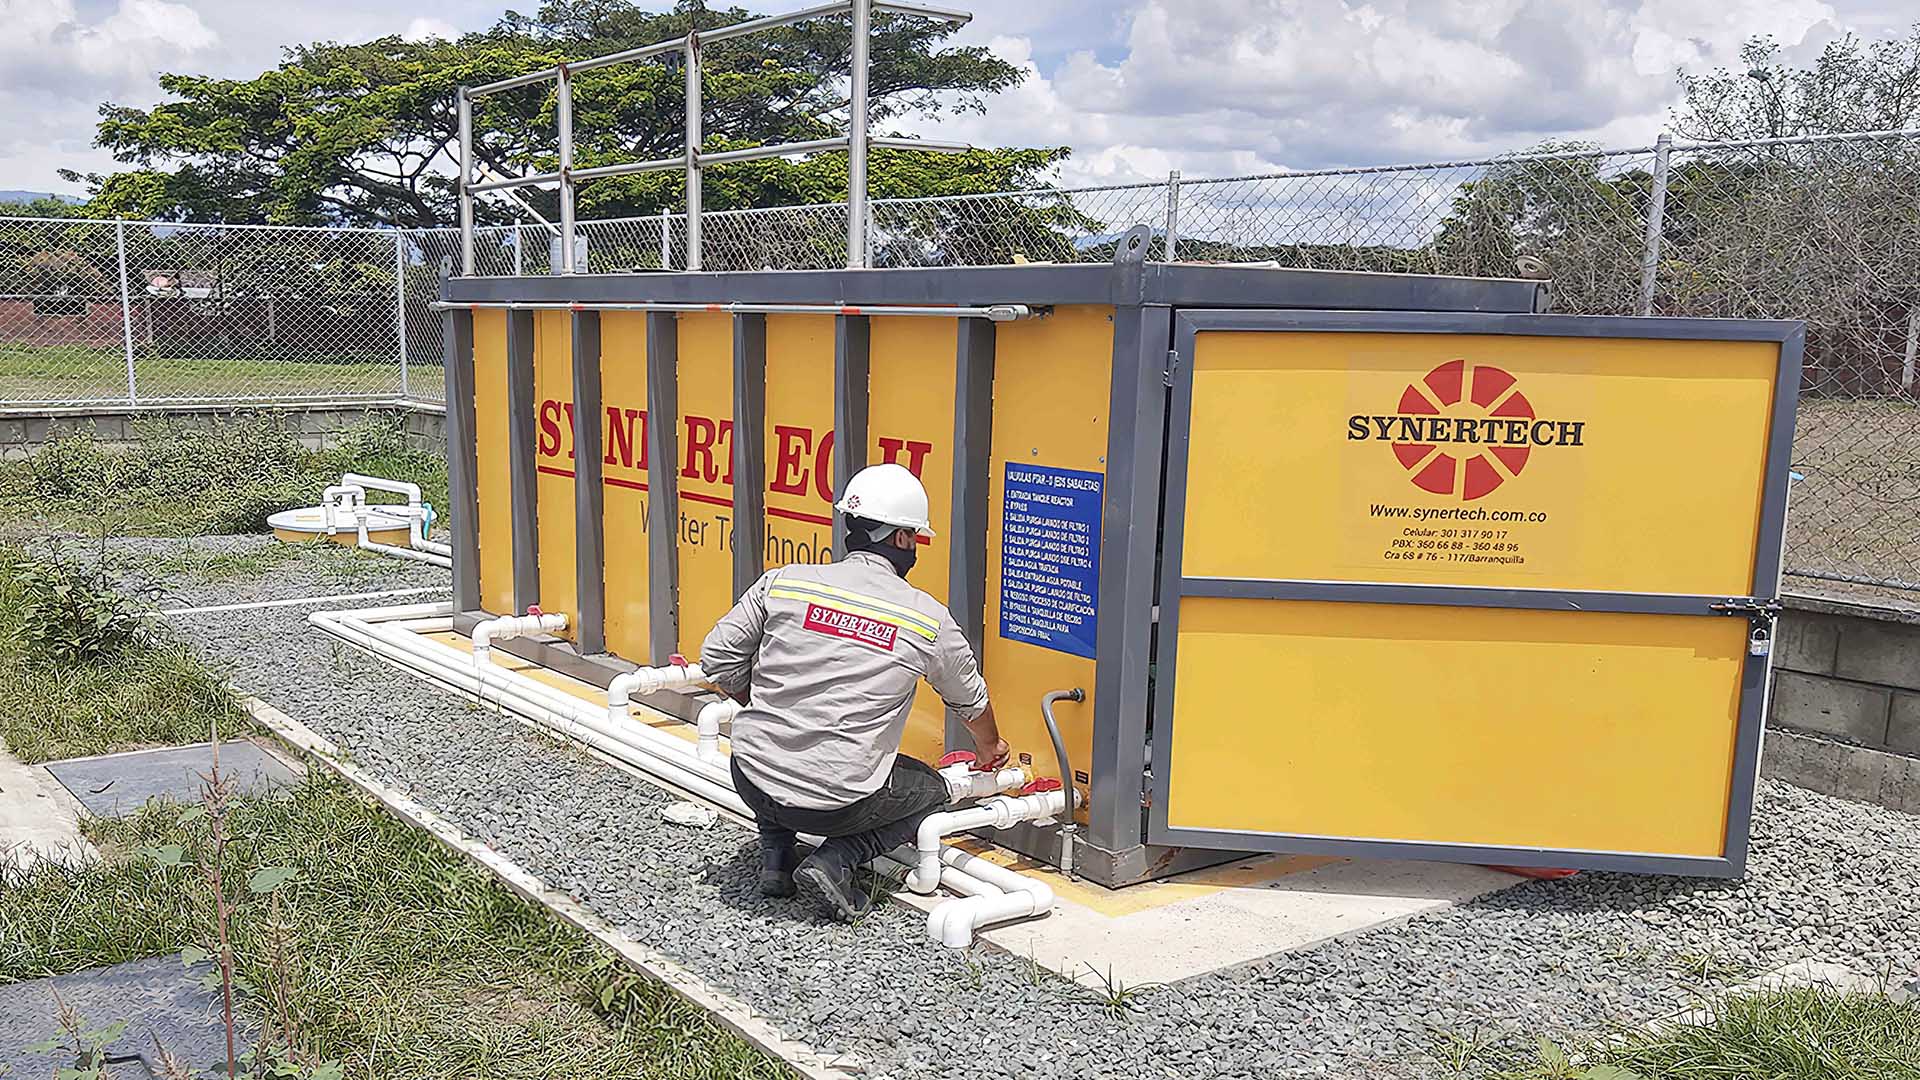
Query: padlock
x=1760, y=642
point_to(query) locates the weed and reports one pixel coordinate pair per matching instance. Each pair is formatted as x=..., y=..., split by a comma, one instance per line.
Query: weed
x=75, y=690
x=1458, y=1054
x=403, y=960
x=1116, y=997
x=71, y=614
x=227, y=478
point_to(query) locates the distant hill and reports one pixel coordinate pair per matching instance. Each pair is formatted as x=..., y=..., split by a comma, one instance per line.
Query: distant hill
x=29, y=196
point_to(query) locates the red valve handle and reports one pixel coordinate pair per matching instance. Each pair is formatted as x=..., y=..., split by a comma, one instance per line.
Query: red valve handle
x=956, y=756
x=676, y=660
x=534, y=609
x=1045, y=783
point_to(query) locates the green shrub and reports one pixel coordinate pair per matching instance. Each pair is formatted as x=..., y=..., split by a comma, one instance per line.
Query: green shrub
x=72, y=614
x=228, y=478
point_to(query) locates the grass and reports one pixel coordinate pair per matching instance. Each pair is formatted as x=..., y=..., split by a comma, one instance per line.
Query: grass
x=407, y=961
x=64, y=373
x=178, y=480
x=151, y=691
x=1802, y=1033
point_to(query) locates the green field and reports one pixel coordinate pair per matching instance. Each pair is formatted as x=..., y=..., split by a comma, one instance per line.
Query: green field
x=63, y=374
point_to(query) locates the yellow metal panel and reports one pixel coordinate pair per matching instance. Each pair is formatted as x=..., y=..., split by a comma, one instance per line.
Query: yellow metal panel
x=1051, y=381
x=910, y=418
x=623, y=438
x=798, y=441
x=490, y=435
x=1576, y=730
x=553, y=461
x=1615, y=464
x=705, y=529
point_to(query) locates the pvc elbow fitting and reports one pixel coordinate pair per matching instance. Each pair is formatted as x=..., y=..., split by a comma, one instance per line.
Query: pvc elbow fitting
x=707, y=727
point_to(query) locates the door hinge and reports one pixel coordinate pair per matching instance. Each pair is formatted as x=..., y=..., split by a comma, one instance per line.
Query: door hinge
x=1173, y=365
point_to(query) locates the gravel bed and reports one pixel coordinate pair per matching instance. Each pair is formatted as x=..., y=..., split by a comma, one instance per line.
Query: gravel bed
x=186, y=575
x=1828, y=879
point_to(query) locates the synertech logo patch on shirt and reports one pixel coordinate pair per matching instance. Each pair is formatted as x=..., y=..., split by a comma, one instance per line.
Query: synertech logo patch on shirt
x=845, y=624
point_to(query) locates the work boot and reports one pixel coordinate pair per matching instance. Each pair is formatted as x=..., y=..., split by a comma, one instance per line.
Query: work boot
x=828, y=877
x=776, y=869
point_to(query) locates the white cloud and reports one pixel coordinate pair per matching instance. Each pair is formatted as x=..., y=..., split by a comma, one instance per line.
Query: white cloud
x=1220, y=86
x=423, y=28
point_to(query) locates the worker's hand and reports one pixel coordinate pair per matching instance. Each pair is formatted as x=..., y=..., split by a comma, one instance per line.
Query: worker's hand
x=987, y=757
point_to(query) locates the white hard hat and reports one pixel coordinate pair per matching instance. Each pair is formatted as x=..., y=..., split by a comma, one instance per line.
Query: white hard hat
x=889, y=494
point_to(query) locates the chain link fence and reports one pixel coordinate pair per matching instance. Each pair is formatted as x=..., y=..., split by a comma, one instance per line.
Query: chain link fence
x=1825, y=229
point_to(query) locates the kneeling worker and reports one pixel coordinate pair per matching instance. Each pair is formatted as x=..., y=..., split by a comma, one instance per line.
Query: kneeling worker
x=824, y=660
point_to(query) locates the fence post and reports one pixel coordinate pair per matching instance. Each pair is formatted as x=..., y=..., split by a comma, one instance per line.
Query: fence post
x=666, y=241
x=1656, y=210
x=1173, y=216
x=400, y=303
x=1913, y=343
x=126, y=309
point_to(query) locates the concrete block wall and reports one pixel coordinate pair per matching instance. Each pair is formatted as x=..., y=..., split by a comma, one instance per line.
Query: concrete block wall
x=1845, y=713
x=1849, y=672
x=24, y=431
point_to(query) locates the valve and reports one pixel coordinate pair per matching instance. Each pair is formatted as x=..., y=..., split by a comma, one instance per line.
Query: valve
x=676, y=660
x=1044, y=784
x=955, y=757
x=534, y=610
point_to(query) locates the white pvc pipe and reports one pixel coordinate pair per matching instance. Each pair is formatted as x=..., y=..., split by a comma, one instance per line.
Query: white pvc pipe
x=707, y=727
x=660, y=755
x=965, y=782
x=511, y=626
x=416, y=515
x=301, y=601
x=955, y=921
x=643, y=681
x=1000, y=812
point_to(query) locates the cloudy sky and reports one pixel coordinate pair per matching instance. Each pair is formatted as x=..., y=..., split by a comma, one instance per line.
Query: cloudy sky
x=1136, y=87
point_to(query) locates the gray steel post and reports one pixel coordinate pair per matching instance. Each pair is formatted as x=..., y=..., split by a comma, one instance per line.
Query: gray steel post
x=1656, y=210
x=463, y=496
x=857, y=136
x=663, y=491
x=692, y=56
x=666, y=241
x=852, y=399
x=749, y=450
x=126, y=312
x=589, y=490
x=519, y=251
x=400, y=304
x=564, y=111
x=1172, y=243
x=522, y=467
x=466, y=177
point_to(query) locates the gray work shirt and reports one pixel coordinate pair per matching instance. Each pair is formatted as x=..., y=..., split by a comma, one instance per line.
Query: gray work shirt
x=833, y=654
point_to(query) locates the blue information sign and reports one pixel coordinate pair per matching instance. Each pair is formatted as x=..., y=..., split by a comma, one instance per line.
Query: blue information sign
x=1050, y=557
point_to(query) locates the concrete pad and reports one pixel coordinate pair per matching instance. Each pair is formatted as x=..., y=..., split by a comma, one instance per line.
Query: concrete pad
x=160, y=1000
x=1178, y=927
x=1220, y=917
x=116, y=785
x=38, y=819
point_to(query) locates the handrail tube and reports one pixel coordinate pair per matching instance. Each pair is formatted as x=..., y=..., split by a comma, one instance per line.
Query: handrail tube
x=600, y=172
x=756, y=153
x=534, y=180
x=991, y=312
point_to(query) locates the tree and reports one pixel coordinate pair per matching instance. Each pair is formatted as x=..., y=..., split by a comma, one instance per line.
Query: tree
x=1852, y=86
x=367, y=133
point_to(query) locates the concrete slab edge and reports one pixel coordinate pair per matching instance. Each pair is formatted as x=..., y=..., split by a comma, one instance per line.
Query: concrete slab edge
x=731, y=1013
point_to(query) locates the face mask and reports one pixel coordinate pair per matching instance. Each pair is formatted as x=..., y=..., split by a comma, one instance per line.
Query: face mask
x=902, y=560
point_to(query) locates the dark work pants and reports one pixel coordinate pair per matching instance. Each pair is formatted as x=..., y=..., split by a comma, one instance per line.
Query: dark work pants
x=860, y=832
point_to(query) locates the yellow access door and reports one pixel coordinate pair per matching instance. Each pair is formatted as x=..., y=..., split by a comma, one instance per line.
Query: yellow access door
x=1480, y=588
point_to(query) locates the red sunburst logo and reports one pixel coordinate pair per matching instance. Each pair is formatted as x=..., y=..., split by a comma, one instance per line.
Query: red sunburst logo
x=1471, y=472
